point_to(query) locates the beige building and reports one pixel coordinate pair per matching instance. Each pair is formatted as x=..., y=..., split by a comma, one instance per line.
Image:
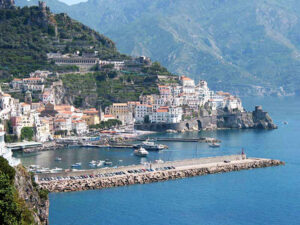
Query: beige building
x=122, y=112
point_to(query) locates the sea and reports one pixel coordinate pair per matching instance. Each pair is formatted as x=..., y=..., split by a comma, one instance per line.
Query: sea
x=259, y=196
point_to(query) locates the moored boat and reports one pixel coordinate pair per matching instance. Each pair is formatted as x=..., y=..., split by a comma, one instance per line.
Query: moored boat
x=214, y=145
x=100, y=163
x=150, y=146
x=140, y=152
x=76, y=164
x=107, y=162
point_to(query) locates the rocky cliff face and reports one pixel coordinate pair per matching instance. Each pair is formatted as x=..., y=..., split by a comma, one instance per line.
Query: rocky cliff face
x=27, y=191
x=258, y=119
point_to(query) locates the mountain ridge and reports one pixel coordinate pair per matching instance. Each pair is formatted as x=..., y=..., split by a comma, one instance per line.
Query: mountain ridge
x=244, y=47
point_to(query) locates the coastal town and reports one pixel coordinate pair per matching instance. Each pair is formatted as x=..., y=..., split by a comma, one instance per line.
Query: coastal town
x=175, y=103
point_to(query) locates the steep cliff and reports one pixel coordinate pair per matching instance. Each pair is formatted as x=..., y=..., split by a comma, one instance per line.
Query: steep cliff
x=257, y=119
x=36, y=200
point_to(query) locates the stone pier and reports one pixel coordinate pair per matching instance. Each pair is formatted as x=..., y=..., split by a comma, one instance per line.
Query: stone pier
x=181, y=169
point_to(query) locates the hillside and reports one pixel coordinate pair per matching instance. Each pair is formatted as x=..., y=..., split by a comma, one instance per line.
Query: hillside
x=247, y=47
x=105, y=88
x=29, y=33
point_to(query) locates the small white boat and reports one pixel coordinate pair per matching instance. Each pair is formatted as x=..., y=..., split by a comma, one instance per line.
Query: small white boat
x=159, y=161
x=100, y=163
x=150, y=145
x=76, y=164
x=141, y=152
x=57, y=159
x=93, y=162
x=107, y=162
x=56, y=170
x=34, y=166
x=214, y=145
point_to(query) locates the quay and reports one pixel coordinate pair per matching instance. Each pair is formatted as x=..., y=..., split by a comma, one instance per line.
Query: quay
x=142, y=174
x=23, y=145
x=201, y=139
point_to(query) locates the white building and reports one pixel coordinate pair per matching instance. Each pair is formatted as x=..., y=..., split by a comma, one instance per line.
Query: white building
x=5, y=152
x=43, y=133
x=142, y=110
x=166, y=115
x=63, y=124
x=79, y=126
x=40, y=74
x=186, y=81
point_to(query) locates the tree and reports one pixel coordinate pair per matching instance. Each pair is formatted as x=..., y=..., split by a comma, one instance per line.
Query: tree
x=146, y=119
x=9, y=127
x=6, y=169
x=13, y=209
x=10, y=138
x=27, y=133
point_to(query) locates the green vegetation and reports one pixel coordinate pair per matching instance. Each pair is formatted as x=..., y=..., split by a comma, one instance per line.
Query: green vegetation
x=155, y=69
x=107, y=124
x=107, y=87
x=12, y=209
x=27, y=35
x=10, y=138
x=43, y=193
x=27, y=133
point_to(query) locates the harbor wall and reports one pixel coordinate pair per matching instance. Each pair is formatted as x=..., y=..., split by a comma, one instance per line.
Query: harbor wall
x=182, y=170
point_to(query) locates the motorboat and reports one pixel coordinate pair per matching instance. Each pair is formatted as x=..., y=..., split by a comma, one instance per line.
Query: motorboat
x=77, y=164
x=141, y=152
x=100, y=163
x=150, y=146
x=93, y=163
x=43, y=170
x=214, y=145
x=56, y=170
x=158, y=161
x=107, y=162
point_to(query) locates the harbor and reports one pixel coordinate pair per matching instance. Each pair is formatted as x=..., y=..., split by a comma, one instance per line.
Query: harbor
x=200, y=139
x=148, y=173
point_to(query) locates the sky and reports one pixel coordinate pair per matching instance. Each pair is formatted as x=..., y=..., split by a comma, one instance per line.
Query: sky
x=72, y=2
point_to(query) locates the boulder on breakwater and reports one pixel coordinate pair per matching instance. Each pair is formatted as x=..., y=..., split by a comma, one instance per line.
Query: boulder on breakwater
x=156, y=176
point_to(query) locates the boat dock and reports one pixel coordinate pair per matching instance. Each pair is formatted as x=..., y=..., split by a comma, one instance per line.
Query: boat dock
x=23, y=145
x=141, y=174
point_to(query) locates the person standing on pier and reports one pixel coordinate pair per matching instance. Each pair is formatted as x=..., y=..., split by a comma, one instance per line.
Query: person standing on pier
x=243, y=154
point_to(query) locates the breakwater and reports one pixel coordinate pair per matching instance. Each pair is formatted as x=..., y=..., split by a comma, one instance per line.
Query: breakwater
x=141, y=174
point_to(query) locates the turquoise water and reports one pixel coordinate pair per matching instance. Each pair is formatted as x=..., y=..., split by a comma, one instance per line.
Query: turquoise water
x=260, y=196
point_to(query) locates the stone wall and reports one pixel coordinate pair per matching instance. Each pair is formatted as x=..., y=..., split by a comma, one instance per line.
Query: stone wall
x=149, y=177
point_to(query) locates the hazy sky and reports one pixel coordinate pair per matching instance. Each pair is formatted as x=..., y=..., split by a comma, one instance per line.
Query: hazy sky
x=71, y=2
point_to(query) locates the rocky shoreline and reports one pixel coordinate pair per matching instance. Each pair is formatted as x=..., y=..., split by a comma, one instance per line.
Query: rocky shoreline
x=213, y=120
x=157, y=176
